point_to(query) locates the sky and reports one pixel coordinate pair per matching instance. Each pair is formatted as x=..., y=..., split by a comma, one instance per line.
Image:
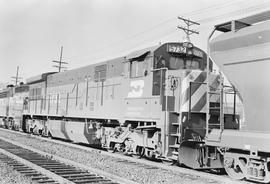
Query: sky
x=33, y=31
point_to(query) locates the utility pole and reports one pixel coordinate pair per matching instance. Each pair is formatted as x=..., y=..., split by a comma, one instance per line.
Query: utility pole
x=60, y=62
x=187, y=29
x=17, y=76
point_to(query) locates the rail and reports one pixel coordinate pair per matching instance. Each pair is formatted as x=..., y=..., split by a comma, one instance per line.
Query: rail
x=143, y=163
x=47, y=168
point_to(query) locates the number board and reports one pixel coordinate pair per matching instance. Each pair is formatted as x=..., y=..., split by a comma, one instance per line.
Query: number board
x=177, y=49
x=180, y=49
x=197, y=53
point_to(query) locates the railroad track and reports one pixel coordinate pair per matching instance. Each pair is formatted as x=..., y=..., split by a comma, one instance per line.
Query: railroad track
x=43, y=168
x=142, y=163
x=25, y=170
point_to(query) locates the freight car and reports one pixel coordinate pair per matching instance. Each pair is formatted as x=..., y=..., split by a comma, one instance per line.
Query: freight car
x=151, y=102
x=242, y=53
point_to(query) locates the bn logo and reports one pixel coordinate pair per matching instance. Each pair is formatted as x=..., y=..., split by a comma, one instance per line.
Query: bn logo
x=136, y=88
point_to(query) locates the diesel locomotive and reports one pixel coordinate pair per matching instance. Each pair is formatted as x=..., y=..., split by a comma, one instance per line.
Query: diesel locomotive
x=11, y=106
x=151, y=102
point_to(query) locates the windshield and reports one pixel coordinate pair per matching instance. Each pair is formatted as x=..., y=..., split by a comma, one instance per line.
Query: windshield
x=176, y=63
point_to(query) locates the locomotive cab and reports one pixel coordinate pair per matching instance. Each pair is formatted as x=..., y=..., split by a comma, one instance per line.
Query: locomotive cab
x=186, y=105
x=179, y=56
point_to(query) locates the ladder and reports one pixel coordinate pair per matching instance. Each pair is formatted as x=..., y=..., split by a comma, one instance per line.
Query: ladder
x=215, y=112
x=219, y=92
x=174, y=135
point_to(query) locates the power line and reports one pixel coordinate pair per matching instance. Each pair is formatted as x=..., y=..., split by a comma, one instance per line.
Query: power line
x=187, y=29
x=226, y=15
x=237, y=12
x=60, y=62
x=169, y=32
x=16, y=78
x=203, y=10
x=219, y=5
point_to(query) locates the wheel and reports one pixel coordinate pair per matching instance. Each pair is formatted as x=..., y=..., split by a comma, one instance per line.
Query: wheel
x=234, y=168
x=168, y=162
x=44, y=133
x=111, y=148
x=140, y=153
x=35, y=130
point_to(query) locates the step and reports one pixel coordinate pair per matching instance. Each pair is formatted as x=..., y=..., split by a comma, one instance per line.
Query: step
x=214, y=108
x=229, y=93
x=146, y=127
x=175, y=124
x=175, y=135
x=174, y=112
x=218, y=93
x=176, y=146
x=175, y=152
x=173, y=157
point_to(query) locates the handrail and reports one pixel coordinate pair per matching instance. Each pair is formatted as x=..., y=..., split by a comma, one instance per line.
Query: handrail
x=166, y=140
x=208, y=82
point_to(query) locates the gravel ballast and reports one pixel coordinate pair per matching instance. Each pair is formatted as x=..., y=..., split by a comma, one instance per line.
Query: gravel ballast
x=9, y=176
x=112, y=165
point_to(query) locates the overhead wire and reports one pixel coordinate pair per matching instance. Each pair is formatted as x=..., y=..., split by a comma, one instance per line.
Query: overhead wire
x=191, y=13
x=168, y=31
x=229, y=14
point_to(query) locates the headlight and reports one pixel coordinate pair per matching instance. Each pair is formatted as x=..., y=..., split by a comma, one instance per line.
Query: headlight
x=188, y=45
x=189, y=52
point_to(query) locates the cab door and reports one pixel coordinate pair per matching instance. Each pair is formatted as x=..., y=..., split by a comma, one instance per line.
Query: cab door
x=139, y=93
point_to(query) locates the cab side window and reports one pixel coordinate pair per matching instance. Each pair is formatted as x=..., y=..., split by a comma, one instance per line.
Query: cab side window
x=100, y=73
x=138, y=68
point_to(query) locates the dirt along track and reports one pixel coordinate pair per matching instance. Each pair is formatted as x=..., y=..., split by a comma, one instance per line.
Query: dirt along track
x=137, y=170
